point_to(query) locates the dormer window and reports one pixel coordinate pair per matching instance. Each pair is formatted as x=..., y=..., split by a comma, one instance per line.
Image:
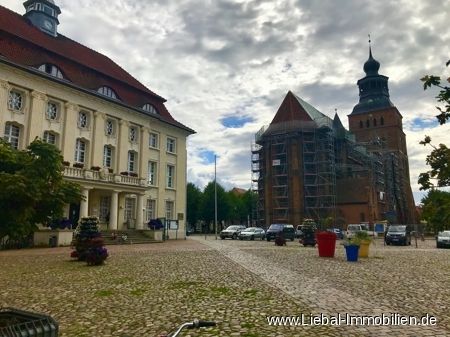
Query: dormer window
x=150, y=108
x=107, y=91
x=48, y=10
x=51, y=70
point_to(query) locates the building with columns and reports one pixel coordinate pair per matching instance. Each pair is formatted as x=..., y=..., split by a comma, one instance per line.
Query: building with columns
x=118, y=140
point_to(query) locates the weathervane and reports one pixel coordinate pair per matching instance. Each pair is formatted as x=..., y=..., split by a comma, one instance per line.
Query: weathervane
x=369, y=39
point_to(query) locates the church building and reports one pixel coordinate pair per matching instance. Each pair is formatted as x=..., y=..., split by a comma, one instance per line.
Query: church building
x=306, y=165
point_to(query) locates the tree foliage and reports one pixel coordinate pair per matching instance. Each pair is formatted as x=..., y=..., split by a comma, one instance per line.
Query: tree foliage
x=232, y=207
x=436, y=210
x=33, y=189
x=439, y=158
x=194, y=200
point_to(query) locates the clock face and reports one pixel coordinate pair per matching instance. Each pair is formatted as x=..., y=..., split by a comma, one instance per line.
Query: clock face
x=48, y=24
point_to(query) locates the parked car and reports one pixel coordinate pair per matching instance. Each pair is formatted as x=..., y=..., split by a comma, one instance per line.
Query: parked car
x=353, y=228
x=443, y=239
x=337, y=231
x=231, y=232
x=398, y=234
x=251, y=233
x=287, y=231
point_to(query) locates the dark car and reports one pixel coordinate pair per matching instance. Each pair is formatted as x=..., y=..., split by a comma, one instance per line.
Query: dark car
x=285, y=230
x=398, y=235
x=443, y=239
x=251, y=233
x=231, y=232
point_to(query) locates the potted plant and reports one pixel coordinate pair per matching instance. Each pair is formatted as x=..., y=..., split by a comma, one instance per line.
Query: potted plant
x=351, y=249
x=124, y=173
x=364, y=240
x=78, y=165
x=95, y=168
x=66, y=163
x=133, y=174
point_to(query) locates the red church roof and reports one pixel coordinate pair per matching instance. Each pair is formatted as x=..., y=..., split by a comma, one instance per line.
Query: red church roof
x=295, y=114
x=25, y=45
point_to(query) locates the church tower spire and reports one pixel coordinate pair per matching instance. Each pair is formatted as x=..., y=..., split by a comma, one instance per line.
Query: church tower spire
x=373, y=88
x=43, y=14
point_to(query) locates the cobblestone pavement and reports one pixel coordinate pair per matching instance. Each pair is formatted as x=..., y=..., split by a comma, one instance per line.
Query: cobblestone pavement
x=404, y=280
x=144, y=290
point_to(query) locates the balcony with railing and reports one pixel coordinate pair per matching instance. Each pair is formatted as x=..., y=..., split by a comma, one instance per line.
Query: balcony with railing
x=102, y=176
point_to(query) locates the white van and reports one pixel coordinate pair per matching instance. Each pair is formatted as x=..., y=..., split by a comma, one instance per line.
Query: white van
x=353, y=228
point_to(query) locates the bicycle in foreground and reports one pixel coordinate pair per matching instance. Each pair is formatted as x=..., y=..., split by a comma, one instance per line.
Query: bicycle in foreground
x=196, y=324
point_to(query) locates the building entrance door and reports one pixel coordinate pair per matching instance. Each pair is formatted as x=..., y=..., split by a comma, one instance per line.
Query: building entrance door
x=74, y=214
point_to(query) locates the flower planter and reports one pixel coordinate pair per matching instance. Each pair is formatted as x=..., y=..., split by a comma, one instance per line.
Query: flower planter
x=326, y=243
x=352, y=253
x=364, y=248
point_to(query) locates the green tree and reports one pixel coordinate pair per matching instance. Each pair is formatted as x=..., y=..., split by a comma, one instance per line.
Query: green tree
x=439, y=158
x=436, y=210
x=33, y=189
x=207, y=205
x=194, y=199
x=237, y=211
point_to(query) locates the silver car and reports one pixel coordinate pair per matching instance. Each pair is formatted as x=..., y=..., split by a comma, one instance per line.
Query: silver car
x=443, y=239
x=231, y=232
x=251, y=233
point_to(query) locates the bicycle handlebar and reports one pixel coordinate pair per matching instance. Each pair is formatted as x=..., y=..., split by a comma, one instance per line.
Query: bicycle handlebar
x=200, y=324
x=191, y=325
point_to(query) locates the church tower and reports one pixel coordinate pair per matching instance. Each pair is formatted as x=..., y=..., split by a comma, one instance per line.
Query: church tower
x=376, y=122
x=43, y=14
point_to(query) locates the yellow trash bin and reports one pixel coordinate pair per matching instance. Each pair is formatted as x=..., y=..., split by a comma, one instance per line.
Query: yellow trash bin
x=364, y=249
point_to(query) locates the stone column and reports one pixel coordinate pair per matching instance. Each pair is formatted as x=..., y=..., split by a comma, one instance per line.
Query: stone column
x=122, y=146
x=143, y=140
x=84, y=204
x=36, y=115
x=98, y=133
x=140, y=211
x=68, y=138
x=113, y=215
x=4, y=90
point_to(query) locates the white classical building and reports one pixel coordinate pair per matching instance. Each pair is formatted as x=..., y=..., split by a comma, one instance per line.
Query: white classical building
x=118, y=140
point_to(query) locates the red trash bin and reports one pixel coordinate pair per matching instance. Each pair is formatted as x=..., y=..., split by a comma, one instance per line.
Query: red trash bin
x=326, y=242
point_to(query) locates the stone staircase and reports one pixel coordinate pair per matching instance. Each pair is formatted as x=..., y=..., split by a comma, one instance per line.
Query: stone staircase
x=133, y=237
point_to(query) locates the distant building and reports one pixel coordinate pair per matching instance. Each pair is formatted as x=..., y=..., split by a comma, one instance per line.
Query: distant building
x=306, y=165
x=120, y=142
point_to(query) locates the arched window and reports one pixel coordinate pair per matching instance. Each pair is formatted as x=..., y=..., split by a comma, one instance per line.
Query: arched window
x=132, y=161
x=367, y=123
x=374, y=122
x=12, y=135
x=107, y=91
x=108, y=156
x=382, y=121
x=361, y=124
x=80, y=151
x=51, y=70
x=50, y=137
x=150, y=108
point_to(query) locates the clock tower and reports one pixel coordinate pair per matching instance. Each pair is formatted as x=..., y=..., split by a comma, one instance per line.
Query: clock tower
x=376, y=122
x=43, y=14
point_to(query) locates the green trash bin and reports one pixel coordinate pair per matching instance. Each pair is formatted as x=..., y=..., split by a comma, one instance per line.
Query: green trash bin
x=19, y=323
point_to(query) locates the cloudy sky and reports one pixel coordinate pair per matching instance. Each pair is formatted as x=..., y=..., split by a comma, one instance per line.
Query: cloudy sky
x=225, y=65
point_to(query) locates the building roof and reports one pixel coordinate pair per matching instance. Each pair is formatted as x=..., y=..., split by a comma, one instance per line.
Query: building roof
x=27, y=46
x=295, y=114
